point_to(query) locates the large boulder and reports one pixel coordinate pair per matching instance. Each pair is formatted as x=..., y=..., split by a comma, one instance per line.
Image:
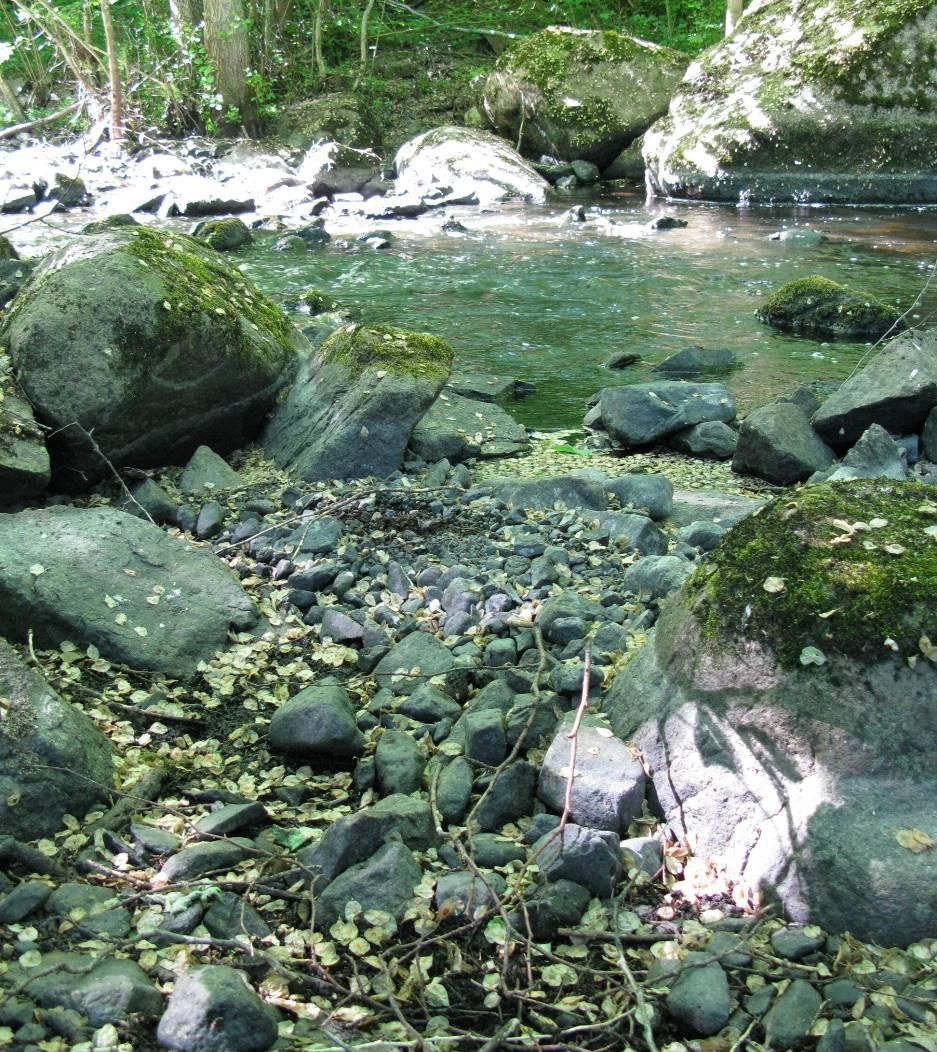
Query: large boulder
x=466, y=163
x=777, y=443
x=896, y=390
x=53, y=760
x=354, y=404
x=639, y=414
x=96, y=575
x=151, y=344
x=747, y=119
x=784, y=705
x=579, y=94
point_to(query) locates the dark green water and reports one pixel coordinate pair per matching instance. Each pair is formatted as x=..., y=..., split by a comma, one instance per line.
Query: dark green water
x=524, y=295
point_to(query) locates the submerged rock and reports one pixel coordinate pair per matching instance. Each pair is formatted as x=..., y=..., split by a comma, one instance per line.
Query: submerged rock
x=150, y=343
x=790, y=677
x=747, y=119
x=353, y=406
x=580, y=94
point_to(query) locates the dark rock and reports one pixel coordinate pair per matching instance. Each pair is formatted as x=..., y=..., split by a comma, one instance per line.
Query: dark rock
x=230, y=916
x=213, y=1008
x=418, y=650
x=464, y=894
x=698, y=361
x=819, y=307
x=640, y=414
x=550, y=907
x=702, y=535
x=656, y=576
x=788, y=1023
x=99, y=909
x=385, y=881
x=482, y=732
x=428, y=704
x=777, y=443
x=542, y=494
x=875, y=455
x=399, y=763
x=23, y=900
x=491, y=850
x=318, y=721
x=632, y=532
x=458, y=429
x=223, y=235
x=650, y=493
x=795, y=944
x=712, y=438
x=153, y=500
x=700, y=1000
x=209, y=521
x=233, y=818
x=588, y=857
x=206, y=471
x=196, y=859
x=339, y=627
x=24, y=461
x=454, y=789
x=508, y=797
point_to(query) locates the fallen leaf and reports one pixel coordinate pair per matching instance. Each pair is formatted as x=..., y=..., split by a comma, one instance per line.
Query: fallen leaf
x=774, y=585
x=915, y=840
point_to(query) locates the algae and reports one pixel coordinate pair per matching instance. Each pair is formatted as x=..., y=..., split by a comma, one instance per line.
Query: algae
x=857, y=566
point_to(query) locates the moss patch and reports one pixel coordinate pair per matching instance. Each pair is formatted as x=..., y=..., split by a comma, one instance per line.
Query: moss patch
x=857, y=569
x=816, y=305
x=416, y=354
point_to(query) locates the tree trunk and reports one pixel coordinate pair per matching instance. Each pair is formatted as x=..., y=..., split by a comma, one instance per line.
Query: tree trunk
x=733, y=13
x=228, y=49
x=113, y=74
x=185, y=16
x=321, y=67
x=10, y=100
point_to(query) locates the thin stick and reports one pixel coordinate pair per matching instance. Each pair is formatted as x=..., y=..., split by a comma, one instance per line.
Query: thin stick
x=573, y=737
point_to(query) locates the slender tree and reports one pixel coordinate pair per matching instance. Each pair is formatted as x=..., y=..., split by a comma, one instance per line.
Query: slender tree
x=113, y=74
x=733, y=13
x=185, y=15
x=228, y=48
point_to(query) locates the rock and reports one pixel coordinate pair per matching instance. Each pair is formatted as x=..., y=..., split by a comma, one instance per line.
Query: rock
x=339, y=627
x=223, y=235
x=196, y=859
x=336, y=117
x=565, y=616
x=550, y=907
x=318, y=722
x=229, y=917
x=16, y=197
x=777, y=443
x=7, y=251
x=95, y=910
x=656, y=576
x=233, y=818
x=399, y=762
x=331, y=168
x=629, y=164
x=712, y=438
x=747, y=694
x=482, y=387
x=53, y=759
x=621, y=360
x=580, y=94
x=666, y=223
x=209, y=521
x=608, y=788
x=206, y=471
x=198, y=600
x=13, y=276
x=704, y=536
x=419, y=650
x=588, y=857
x=213, y=1008
x=23, y=900
x=896, y=390
x=788, y=1022
x=482, y=733
x=94, y=343
x=70, y=191
x=875, y=455
x=428, y=704
x=466, y=161
x=652, y=494
x=700, y=1001
x=385, y=882
x=698, y=361
x=356, y=837
x=631, y=532
x=149, y=497
x=457, y=429
x=454, y=789
x=644, y=853
x=509, y=797
x=105, y=991
x=195, y=196
x=640, y=414
x=794, y=944
x=543, y=494
x=745, y=122
x=816, y=306
x=801, y=236
x=353, y=406
x=491, y=850
x=463, y=894
x=726, y=509
x=24, y=460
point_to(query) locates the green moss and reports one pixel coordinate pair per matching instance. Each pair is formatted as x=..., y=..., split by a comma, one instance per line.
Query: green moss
x=416, y=354
x=99, y=225
x=201, y=289
x=7, y=251
x=223, y=234
x=819, y=306
x=850, y=583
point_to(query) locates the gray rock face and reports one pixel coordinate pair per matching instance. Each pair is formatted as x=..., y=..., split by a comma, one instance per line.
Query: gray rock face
x=53, y=760
x=419, y=650
x=700, y=1000
x=152, y=343
x=207, y=472
x=580, y=94
x=656, y=576
x=383, y=882
x=897, y=390
x=777, y=443
x=106, y=991
x=589, y=857
x=457, y=429
x=123, y=562
x=24, y=460
x=726, y=509
x=647, y=493
x=468, y=162
x=318, y=721
x=356, y=837
x=353, y=406
x=746, y=120
x=875, y=455
x=640, y=414
x=215, y=1009
x=572, y=491
x=608, y=789
x=710, y=439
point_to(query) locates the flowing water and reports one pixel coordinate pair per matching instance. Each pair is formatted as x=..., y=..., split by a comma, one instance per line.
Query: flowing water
x=524, y=294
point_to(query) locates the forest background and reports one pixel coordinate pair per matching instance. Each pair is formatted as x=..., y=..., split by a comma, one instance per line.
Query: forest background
x=231, y=66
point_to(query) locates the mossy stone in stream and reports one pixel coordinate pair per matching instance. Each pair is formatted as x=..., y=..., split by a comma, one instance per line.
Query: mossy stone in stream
x=817, y=306
x=224, y=235
x=151, y=343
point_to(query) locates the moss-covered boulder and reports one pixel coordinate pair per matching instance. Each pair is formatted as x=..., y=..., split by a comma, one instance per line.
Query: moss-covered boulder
x=470, y=163
x=223, y=235
x=785, y=703
x=353, y=406
x=340, y=117
x=816, y=306
x=151, y=344
x=807, y=100
x=577, y=94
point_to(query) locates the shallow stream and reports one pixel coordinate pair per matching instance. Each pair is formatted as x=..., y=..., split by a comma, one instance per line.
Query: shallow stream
x=524, y=294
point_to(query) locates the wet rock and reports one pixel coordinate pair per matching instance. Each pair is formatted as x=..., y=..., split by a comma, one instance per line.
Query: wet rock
x=700, y=1000
x=317, y=722
x=491, y=850
x=230, y=916
x=482, y=733
x=697, y=361
x=96, y=910
x=23, y=900
x=223, y=235
x=385, y=881
x=457, y=429
x=608, y=788
x=233, y=818
x=640, y=414
x=213, y=1008
x=795, y=944
x=819, y=307
x=24, y=461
